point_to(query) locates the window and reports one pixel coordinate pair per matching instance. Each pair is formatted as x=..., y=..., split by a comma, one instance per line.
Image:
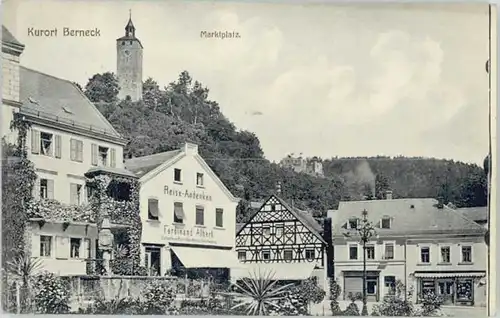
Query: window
x=466, y=254
x=219, y=218
x=199, y=179
x=273, y=207
x=153, y=209
x=45, y=245
x=445, y=254
x=46, y=144
x=266, y=255
x=103, y=156
x=279, y=230
x=177, y=175
x=353, y=223
x=242, y=255
x=370, y=252
x=178, y=212
x=425, y=255
x=152, y=260
x=371, y=285
x=287, y=255
x=46, y=189
x=200, y=219
x=385, y=223
x=353, y=252
x=76, y=196
x=389, y=251
x=266, y=230
x=390, y=284
x=310, y=254
x=76, y=150
x=75, y=244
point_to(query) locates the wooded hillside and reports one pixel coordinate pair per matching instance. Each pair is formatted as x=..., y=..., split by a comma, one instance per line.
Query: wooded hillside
x=182, y=111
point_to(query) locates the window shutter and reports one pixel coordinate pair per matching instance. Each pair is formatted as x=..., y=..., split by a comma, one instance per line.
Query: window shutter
x=79, y=150
x=62, y=247
x=73, y=145
x=35, y=141
x=86, y=248
x=73, y=193
x=94, y=155
x=35, y=245
x=58, y=146
x=50, y=189
x=36, y=189
x=112, y=158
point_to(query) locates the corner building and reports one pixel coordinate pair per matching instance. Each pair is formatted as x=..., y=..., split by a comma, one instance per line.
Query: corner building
x=188, y=215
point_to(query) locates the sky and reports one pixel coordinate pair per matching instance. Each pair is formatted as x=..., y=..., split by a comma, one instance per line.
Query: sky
x=317, y=79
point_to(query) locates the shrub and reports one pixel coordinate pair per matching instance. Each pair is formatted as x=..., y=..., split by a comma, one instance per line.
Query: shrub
x=396, y=304
x=51, y=294
x=352, y=309
x=431, y=303
x=158, y=298
x=335, y=291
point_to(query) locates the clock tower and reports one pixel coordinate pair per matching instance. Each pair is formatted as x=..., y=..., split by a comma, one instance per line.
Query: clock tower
x=129, y=64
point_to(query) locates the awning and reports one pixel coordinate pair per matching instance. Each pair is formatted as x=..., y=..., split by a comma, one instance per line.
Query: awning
x=194, y=257
x=449, y=274
x=280, y=271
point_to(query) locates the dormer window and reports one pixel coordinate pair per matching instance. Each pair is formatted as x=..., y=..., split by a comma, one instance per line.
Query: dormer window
x=352, y=224
x=385, y=223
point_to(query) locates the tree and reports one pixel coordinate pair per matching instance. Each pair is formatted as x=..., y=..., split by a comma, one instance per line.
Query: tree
x=102, y=88
x=381, y=186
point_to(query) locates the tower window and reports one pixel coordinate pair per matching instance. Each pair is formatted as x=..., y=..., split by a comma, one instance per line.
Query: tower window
x=130, y=42
x=123, y=42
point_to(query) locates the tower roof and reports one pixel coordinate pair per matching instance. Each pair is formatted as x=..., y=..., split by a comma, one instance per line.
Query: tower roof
x=129, y=31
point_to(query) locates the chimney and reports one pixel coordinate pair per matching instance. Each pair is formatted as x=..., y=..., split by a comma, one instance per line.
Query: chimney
x=191, y=149
x=388, y=195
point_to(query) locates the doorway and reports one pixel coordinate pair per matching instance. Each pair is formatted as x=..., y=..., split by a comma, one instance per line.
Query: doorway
x=153, y=260
x=446, y=289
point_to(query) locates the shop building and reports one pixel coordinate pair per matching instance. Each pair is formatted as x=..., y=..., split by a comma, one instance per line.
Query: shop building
x=188, y=215
x=424, y=245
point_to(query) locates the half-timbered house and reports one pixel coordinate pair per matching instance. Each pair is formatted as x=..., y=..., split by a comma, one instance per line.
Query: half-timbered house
x=283, y=240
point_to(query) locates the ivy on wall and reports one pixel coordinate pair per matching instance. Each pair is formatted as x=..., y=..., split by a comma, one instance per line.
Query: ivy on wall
x=124, y=213
x=18, y=204
x=18, y=180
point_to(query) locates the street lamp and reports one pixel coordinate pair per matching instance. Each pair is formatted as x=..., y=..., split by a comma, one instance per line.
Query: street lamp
x=365, y=231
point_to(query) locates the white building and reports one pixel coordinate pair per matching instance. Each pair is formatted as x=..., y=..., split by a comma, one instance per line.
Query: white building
x=67, y=138
x=422, y=244
x=188, y=214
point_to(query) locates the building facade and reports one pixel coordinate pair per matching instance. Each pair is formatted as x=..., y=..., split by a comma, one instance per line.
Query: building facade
x=419, y=244
x=188, y=215
x=129, y=64
x=284, y=241
x=312, y=166
x=67, y=138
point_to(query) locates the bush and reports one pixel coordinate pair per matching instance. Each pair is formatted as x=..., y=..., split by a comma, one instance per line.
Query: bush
x=431, y=303
x=158, y=298
x=397, y=304
x=335, y=291
x=51, y=294
x=352, y=309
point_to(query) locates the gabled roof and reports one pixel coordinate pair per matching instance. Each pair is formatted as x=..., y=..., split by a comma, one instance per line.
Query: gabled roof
x=142, y=165
x=479, y=213
x=147, y=167
x=304, y=217
x=60, y=100
x=408, y=216
x=7, y=37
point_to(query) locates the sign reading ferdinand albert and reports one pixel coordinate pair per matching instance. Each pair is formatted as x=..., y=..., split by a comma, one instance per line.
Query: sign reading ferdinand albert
x=187, y=194
x=189, y=234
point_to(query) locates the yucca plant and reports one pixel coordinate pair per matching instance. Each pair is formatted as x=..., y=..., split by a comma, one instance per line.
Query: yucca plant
x=261, y=293
x=23, y=268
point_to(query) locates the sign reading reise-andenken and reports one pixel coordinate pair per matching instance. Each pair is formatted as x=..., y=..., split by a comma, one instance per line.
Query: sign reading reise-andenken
x=187, y=194
x=188, y=234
